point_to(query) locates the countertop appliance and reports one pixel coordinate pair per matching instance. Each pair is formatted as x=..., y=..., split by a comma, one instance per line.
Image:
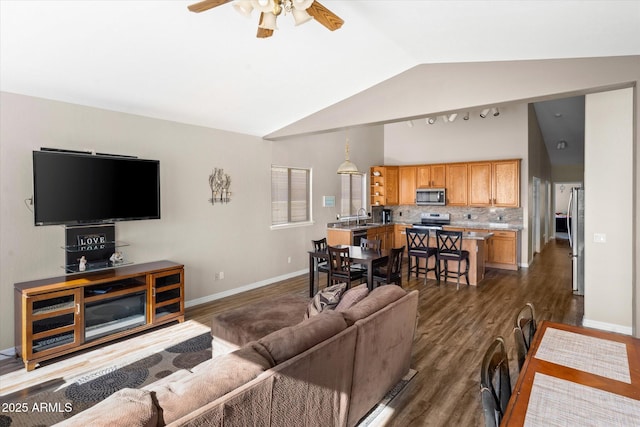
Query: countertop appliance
x=575, y=226
x=430, y=196
x=433, y=221
x=386, y=216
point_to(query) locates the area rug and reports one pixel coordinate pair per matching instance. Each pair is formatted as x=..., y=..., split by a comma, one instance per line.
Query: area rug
x=50, y=406
x=380, y=413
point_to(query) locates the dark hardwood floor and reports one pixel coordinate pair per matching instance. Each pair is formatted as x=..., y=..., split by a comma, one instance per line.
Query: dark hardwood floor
x=454, y=329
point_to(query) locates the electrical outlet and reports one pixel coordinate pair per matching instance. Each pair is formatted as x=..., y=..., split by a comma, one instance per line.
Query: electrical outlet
x=289, y=260
x=599, y=238
x=221, y=275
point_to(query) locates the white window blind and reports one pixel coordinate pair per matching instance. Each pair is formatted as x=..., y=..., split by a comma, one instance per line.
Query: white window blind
x=352, y=194
x=290, y=195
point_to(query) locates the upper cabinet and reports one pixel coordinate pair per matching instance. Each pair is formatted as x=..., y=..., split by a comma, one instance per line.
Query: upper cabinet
x=384, y=185
x=431, y=176
x=494, y=183
x=407, y=184
x=481, y=184
x=456, y=179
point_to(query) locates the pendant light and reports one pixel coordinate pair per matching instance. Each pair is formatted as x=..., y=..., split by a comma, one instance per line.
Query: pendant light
x=347, y=168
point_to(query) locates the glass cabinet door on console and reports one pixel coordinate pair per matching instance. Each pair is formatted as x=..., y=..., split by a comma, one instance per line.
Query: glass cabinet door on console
x=114, y=307
x=167, y=292
x=55, y=322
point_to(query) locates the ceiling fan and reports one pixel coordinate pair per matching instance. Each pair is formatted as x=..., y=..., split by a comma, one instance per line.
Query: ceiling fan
x=302, y=11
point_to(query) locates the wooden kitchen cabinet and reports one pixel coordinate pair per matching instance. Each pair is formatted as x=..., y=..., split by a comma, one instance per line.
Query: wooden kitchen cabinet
x=456, y=177
x=400, y=236
x=503, y=250
x=407, y=185
x=494, y=183
x=384, y=185
x=432, y=176
x=384, y=234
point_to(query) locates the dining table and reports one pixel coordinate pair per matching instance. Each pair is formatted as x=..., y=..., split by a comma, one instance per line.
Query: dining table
x=576, y=376
x=369, y=258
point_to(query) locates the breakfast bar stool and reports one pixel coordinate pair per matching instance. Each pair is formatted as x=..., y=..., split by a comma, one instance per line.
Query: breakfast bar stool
x=450, y=249
x=418, y=247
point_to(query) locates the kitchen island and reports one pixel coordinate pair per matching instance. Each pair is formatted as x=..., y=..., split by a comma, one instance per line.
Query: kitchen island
x=474, y=242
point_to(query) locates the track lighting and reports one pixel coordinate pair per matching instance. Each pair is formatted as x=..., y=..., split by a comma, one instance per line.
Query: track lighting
x=495, y=111
x=453, y=116
x=431, y=120
x=466, y=116
x=561, y=145
x=484, y=112
x=410, y=123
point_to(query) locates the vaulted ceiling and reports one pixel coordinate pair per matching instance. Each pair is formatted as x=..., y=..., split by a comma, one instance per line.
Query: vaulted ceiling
x=157, y=59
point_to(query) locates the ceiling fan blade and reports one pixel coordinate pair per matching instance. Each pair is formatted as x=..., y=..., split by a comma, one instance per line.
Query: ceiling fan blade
x=263, y=33
x=206, y=5
x=325, y=16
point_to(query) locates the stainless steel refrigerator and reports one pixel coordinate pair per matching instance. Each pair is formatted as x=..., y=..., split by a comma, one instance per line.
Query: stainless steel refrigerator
x=575, y=226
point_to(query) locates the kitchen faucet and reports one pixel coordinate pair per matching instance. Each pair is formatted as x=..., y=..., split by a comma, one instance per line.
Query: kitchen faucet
x=364, y=211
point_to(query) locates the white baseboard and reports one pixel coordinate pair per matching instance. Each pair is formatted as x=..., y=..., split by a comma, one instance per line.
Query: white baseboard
x=245, y=288
x=611, y=327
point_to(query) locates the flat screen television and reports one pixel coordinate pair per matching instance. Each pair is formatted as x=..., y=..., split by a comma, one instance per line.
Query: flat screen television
x=80, y=188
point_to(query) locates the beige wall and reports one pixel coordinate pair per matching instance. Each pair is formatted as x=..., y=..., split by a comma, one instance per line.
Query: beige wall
x=235, y=238
x=609, y=210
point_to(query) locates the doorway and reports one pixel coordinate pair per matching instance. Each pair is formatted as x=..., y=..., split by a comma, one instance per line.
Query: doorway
x=561, y=203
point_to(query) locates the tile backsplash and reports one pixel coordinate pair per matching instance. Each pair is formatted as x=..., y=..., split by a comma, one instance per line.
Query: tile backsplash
x=411, y=214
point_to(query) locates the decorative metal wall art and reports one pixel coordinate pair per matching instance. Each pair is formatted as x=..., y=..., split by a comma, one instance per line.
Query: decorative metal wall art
x=220, y=183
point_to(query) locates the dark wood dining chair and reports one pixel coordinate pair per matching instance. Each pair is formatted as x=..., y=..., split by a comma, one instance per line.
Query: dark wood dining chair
x=524, y=329
x=322, y=266
x=392, y=272
x=340, y=267
x=418, y=248
x=495, y=383
x=450, y=249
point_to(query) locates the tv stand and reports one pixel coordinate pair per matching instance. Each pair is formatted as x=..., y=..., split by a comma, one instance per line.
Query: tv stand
x=61, y=315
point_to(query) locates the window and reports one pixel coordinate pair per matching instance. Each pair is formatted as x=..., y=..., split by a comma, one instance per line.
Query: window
x=290, y=195
x=352, y=194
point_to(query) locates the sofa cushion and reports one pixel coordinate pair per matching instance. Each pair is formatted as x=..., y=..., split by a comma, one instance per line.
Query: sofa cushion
x=125, y=407
x=293, y=340
x=378, y=298
x=210, y=380
x=251, y=322
x=352, y=297
x=326, y=299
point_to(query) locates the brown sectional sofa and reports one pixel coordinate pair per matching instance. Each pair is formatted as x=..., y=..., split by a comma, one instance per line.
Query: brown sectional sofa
x=328, y=370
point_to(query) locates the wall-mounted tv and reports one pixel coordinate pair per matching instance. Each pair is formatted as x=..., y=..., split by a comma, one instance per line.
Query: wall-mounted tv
x=82, y=188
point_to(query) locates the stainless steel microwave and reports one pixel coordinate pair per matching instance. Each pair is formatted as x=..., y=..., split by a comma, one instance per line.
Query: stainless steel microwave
x=430, y=196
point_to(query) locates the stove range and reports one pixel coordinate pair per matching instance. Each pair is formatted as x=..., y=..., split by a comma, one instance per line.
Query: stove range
x=433, y=221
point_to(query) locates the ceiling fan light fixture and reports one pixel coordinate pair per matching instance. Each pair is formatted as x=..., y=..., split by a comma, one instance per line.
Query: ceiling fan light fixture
x=268, y=21
x=301, y=4
x=244, y=7
x=263, y=5
x=300, y=16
